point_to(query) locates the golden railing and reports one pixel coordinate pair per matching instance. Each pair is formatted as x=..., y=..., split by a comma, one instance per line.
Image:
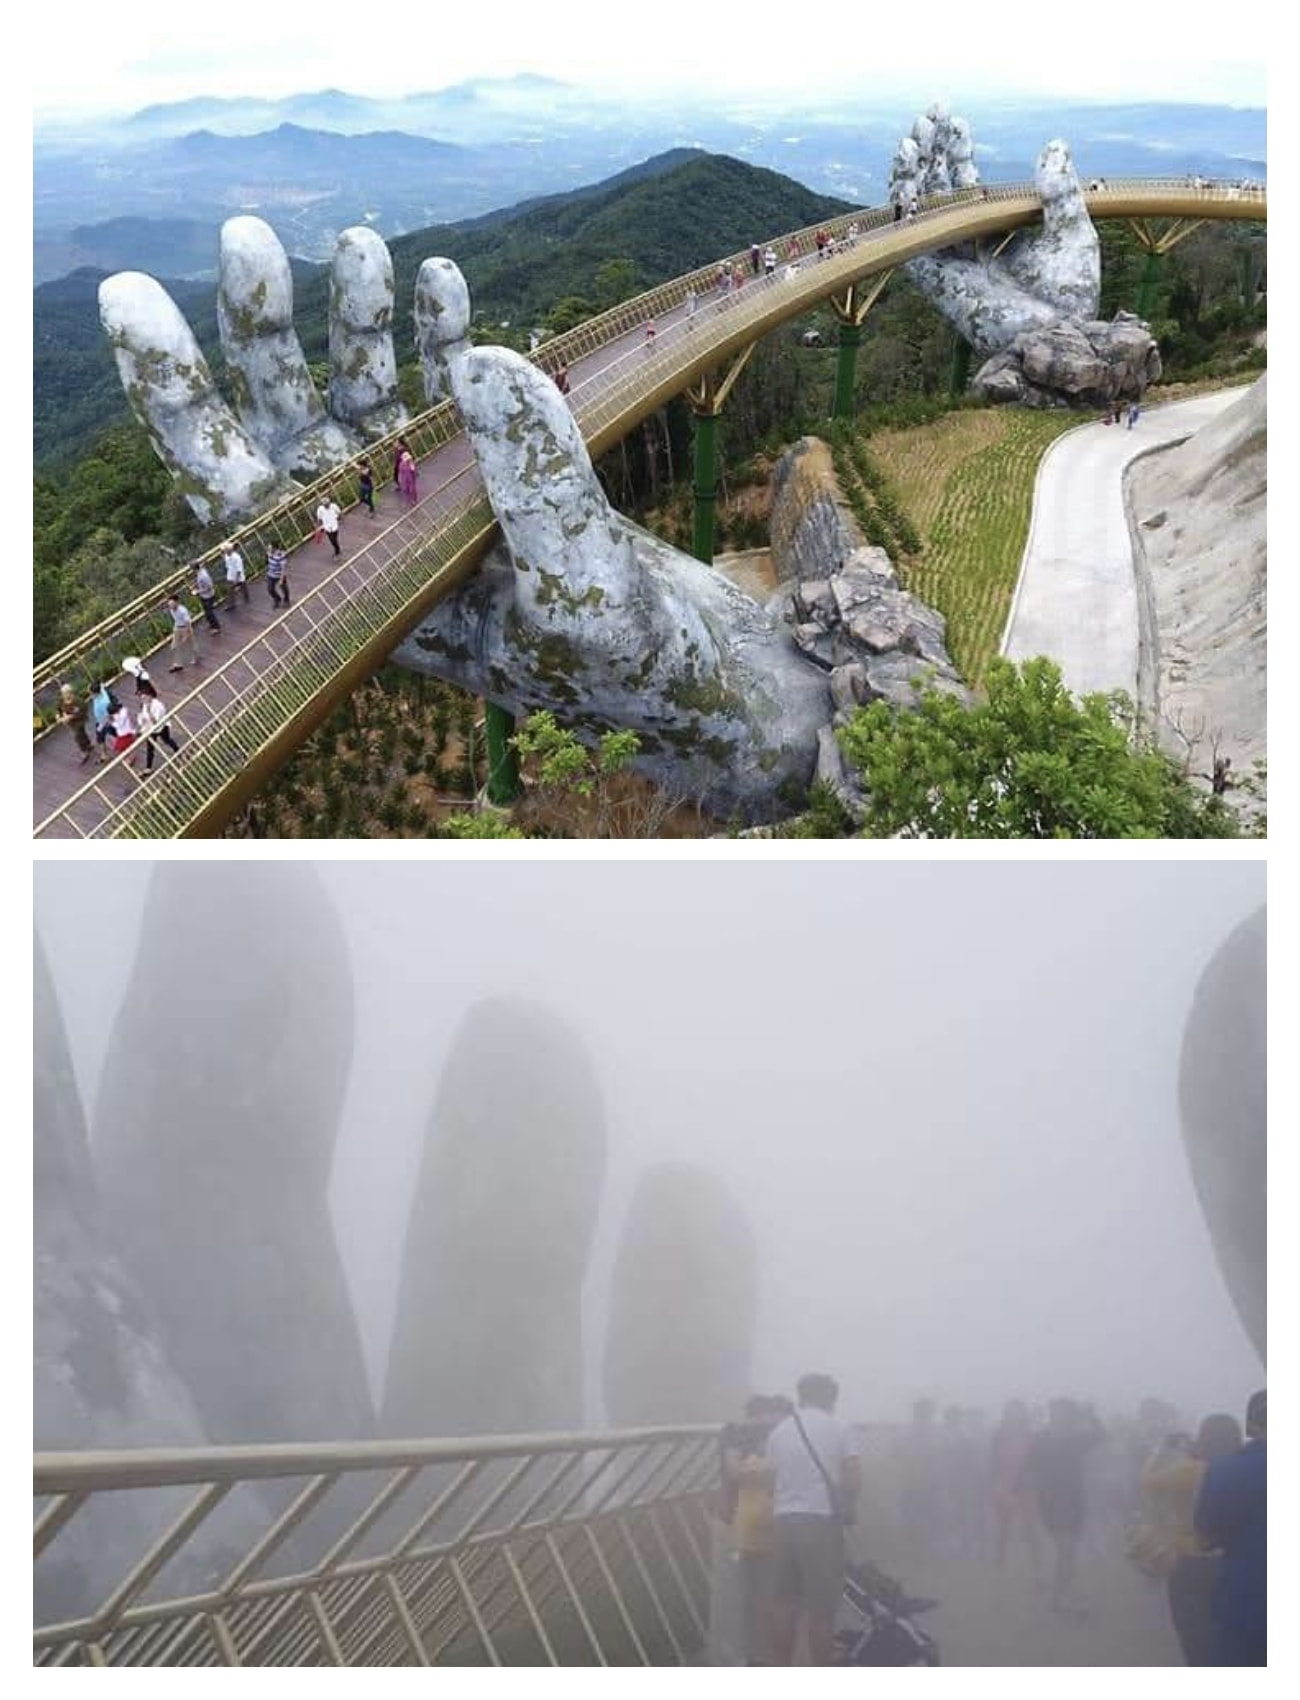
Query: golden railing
x=358, y=614
x=515, y=1550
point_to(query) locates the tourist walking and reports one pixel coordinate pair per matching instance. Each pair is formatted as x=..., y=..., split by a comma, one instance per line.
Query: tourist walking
x=755, y=258
x=1167, y=1545
x=1055, y=1469
x=123, y=730
x=102, y=705
x=152, y=718
x=277, y=576
x=1231, y=1514
x=366, y=486
x=769, y=260
x=649, y=335
x=561, y=377
x=185, y=640
x=408, y=477
x=236, y=576
x=1013, y=1505
x=815, y=1483
x=327, y=519
x=206, y=592
x=72, y=712
x=402, y=448
x=690, y=301
x=1132, y=414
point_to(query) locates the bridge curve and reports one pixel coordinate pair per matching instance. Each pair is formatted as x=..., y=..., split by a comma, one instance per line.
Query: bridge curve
x=250, y=713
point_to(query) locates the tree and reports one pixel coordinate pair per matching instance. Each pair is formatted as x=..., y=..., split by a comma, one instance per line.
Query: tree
x=1028, y=761
x=591, y=792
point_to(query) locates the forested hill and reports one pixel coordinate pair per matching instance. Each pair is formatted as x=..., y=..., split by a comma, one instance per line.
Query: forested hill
x=661, y=218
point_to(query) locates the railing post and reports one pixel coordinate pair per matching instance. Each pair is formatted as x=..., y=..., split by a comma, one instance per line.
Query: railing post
x=503, y=760
x=706, y=485
x=846, y=368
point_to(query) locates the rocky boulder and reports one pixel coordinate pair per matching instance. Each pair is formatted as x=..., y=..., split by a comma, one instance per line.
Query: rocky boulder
x=1078, y=364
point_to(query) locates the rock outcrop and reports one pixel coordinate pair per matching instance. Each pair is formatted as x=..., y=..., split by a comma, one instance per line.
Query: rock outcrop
x=102, y=1380
x=214, y=1136
x=683, y=1303
x=1031, y=311
x=1198, y=519
x=1223, y=1100
x=488, y=1332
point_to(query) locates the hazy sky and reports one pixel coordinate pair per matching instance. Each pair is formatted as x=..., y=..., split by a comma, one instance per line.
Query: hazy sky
x=944, y=1093
x=121, y=58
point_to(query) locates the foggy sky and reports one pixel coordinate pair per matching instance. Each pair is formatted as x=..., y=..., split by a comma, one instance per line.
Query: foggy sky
x=113, y=61
x=945, y=1093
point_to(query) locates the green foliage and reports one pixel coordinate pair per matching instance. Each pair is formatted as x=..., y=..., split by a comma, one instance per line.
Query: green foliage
x=486, y=825
x=1029, y=761
x=561, y=763
x=824, y=816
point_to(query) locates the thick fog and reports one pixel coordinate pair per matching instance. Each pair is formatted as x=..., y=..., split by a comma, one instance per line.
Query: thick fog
x=943, y=1095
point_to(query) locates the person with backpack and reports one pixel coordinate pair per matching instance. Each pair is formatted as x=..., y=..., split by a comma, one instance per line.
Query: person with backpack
x=816, y=1478
x=103, y=706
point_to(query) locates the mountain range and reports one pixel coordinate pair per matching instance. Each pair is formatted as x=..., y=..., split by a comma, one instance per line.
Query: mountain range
x=315, y=163
x=662, y=217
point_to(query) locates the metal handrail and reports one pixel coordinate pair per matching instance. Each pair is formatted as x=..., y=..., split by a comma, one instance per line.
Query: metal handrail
x=416, y=1547
x=292, y=521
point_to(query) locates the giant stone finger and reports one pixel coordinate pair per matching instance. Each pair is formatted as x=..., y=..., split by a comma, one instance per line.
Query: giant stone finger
x=217, y=466
x=363, y=368
x=441, y=323
x=273, y=389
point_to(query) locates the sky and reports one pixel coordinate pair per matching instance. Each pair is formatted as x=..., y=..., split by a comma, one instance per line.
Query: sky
x=1164, y=50
x=942, y=1093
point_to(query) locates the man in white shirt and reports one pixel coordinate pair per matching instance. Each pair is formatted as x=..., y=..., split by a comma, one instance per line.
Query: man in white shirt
x=327, y=517
x=816, y=1478
x=236, y=575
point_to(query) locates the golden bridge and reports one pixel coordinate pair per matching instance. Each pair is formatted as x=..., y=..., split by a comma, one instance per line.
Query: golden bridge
x=288, y=670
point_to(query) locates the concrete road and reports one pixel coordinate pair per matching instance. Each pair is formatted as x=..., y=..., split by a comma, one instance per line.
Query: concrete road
x=1077, y=599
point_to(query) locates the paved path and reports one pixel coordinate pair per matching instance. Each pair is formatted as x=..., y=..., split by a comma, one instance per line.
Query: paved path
x=1077, y=597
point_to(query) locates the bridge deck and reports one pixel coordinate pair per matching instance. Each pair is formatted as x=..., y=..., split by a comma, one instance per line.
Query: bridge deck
x=271, y=677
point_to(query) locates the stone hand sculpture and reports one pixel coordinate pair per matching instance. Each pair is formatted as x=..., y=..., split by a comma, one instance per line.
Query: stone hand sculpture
x=1031, y=312
x=588, y=614
x=232, y=462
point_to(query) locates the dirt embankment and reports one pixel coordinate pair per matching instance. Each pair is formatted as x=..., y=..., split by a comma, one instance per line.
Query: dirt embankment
x=1197, y=515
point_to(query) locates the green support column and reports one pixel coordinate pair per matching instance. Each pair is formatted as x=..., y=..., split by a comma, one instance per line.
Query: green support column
x=1249, y=277
x=960, y=372
x=846, y=370
x=1147, y=287
x=706, y=484
x=503, y=761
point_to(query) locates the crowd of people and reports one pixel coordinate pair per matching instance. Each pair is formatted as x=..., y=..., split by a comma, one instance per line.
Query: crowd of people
x=1037, y=1490
x=101, y=723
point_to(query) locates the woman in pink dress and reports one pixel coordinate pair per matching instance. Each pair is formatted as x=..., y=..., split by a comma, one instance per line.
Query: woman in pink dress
x=408, y=477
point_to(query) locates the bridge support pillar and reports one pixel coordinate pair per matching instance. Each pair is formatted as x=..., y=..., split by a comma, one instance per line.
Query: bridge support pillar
x=959, y=373
x=503, y=762
x=846, y=369
x=707, y=399
x=706, y=486
x=851, y=309
x=1146, y=300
